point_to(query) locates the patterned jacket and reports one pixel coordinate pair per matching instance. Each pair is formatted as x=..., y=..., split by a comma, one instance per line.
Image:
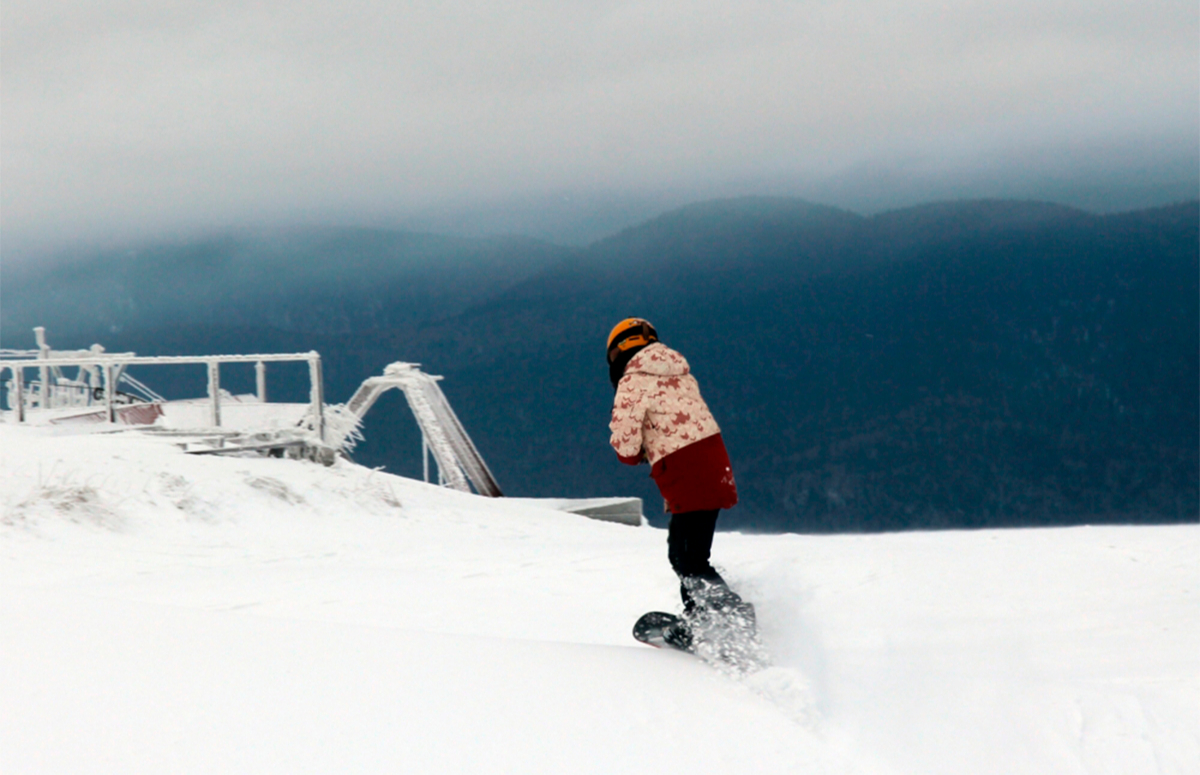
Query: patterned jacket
x=658, y=414
x=658, y=409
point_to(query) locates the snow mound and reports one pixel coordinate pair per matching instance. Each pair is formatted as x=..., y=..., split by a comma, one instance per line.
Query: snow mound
x=170, y=612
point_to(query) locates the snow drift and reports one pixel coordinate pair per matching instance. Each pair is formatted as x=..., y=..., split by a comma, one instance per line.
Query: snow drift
x=166, y=612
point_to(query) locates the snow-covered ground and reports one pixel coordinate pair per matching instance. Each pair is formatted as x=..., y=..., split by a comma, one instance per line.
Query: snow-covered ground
x=161, y=612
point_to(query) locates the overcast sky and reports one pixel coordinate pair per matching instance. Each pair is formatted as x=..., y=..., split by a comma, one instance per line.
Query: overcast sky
x=134, y=117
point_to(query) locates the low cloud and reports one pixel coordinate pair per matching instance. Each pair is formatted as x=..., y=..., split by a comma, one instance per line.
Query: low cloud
x=127, y=118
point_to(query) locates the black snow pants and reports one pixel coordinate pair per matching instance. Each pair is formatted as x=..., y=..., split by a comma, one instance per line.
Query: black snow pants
x=689, y=544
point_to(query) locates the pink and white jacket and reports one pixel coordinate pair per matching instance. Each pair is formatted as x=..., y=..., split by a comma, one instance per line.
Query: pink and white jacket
x=658, y=413
x=658, y=409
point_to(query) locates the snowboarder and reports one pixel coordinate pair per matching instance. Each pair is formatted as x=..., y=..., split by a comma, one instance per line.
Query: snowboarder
x=660, y=418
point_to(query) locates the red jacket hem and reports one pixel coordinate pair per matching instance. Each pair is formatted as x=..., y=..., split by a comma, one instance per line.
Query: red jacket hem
x=697, y=477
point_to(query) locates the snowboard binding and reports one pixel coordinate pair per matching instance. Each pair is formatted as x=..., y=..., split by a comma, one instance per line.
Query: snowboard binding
x=726, y=637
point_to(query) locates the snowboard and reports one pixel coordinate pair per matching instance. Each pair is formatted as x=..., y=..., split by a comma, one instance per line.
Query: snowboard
x=649, y=629
x=728, y=639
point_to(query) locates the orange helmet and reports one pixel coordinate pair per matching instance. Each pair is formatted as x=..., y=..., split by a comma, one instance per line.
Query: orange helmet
x=630, y=332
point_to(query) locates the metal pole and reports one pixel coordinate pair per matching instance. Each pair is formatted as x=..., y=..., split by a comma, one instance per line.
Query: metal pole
x=39, y=334
x=19, y=384
x=110, y=392
x=317, y=393
x=260, y=381
x=214, y=393
x=425, y=457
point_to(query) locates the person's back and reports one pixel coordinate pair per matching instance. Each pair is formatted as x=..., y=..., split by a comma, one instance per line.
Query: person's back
x=659, y=417
x=659, y=414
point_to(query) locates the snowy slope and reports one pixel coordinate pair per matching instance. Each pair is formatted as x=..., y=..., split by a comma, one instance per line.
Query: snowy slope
x=164, y=612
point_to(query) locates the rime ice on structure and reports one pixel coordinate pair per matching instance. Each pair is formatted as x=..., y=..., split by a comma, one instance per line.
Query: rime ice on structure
x=457, y=458
x=93, y=396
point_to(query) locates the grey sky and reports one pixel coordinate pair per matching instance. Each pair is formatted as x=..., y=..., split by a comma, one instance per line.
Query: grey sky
x=128, y=117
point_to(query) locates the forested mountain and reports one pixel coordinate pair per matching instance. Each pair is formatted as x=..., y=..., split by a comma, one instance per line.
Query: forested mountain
x=958, y=364
x=312, y=281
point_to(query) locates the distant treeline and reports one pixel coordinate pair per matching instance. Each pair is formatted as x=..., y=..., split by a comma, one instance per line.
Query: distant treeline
x=967, y=364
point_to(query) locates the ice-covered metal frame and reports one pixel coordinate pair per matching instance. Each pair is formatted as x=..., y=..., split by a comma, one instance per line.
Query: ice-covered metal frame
x=441, y=431
x=111, y=366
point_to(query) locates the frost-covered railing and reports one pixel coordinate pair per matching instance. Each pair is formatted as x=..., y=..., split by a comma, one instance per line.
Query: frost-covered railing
x=111, y=366
x=53, y=389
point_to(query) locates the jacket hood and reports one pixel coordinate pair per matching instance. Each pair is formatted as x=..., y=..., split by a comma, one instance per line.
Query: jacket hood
x=659, y=360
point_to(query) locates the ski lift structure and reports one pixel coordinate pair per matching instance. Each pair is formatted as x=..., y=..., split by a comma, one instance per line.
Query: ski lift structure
x=442, y=433
x=54, y=390
x=94, y=393
x=101, y=391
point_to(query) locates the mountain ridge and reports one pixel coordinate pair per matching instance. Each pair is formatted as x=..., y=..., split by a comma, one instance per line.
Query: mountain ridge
x=958, y=364
x=898, y=322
